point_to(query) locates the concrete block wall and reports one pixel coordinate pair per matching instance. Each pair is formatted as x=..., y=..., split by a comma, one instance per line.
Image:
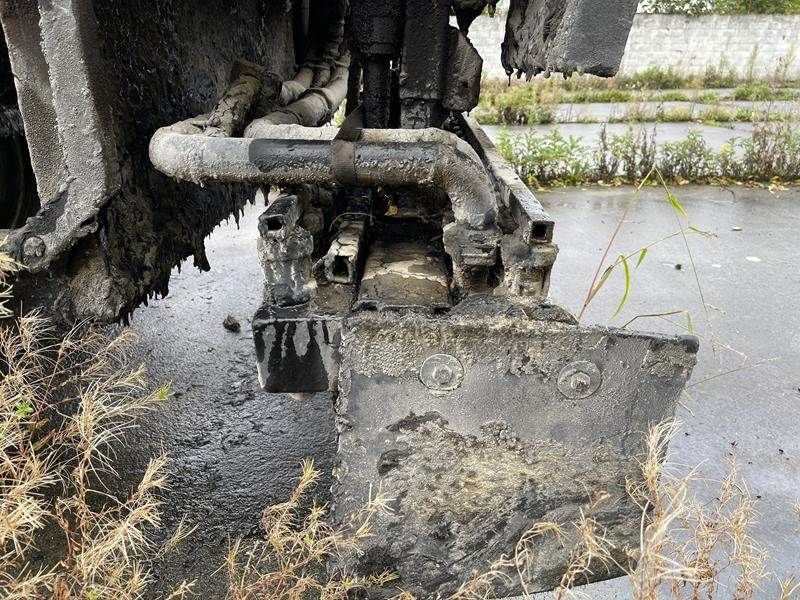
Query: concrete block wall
x=762, y=46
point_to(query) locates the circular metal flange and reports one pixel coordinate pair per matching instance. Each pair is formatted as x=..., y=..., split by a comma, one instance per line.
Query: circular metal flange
x=579, y=380
x=442, y=373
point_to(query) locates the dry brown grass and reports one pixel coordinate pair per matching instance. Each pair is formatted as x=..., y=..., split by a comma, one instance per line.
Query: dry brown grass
x=593, y=551
x=8, y=268
x=695, y=548
x=689, y=549
x=289, y=563
x=65, y=402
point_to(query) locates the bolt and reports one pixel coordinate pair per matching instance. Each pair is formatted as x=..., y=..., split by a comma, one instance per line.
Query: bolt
x=34, y=247
x=442, y=374
x=580, y=381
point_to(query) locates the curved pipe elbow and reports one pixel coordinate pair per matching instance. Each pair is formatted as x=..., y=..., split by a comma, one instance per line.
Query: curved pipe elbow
x=455, y=168
x=292, y=154
x=468, y=185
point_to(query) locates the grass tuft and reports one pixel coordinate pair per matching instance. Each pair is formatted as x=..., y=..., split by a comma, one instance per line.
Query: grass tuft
x=65, y=403
x=289, y=563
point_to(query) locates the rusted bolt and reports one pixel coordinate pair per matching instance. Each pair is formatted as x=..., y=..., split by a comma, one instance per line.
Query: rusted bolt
x=579, y=379
x=34, y=247
x=442, y=372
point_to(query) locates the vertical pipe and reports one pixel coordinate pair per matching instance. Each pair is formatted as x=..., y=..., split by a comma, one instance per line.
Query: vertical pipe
x=300, y=30
x=376, y=92
x=424, y=63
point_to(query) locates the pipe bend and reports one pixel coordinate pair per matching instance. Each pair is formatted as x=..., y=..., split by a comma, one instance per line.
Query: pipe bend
x=467, y=184
x=456, y=169
x=286, y=154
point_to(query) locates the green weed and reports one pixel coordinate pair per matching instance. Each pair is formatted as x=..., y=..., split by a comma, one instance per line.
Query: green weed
x=671, y=96
x=707, y=97
x=771, y=153
x=547, y=158
x=654, y=78
x=754, y=91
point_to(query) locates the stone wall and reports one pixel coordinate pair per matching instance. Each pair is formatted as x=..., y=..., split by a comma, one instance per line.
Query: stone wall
x=762, y=46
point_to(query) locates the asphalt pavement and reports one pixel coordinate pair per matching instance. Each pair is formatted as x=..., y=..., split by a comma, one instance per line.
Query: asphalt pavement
x=235, y=449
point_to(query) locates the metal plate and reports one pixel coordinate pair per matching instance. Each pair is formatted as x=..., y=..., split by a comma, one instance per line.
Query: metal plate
x=472, y=468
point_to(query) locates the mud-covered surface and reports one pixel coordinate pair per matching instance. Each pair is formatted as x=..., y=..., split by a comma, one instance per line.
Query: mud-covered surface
x=406, y=274
x=233, y=448
x=462, y=501
x=565, y=36
x=173, y=64
x=490, y=438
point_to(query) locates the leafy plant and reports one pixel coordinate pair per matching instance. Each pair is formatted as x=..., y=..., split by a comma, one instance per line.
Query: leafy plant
x=753, y=91
x=684, y=7
x=551, y=157
x=701, y=7
x=770, y=7
x=690, y=159
x=513, y=104
x=772, y=152
x=655, y=78
x=630, y=155
x=723, y=75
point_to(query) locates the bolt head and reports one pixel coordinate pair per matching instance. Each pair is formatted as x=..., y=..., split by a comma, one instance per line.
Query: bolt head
x=580, y=381
x=34, y=247
x=442, y=374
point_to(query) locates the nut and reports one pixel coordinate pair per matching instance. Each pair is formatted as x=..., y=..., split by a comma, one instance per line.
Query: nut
x=580, y=381
x=442, y=374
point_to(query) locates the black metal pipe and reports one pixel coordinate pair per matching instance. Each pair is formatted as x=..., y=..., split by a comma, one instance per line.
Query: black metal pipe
x=424, y=63
x=375, y=97
x=292, y=155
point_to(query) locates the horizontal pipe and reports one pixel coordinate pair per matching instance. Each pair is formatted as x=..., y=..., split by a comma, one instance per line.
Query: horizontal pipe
x=291, y=154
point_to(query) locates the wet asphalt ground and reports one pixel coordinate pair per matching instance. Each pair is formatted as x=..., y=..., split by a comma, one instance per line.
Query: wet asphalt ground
x=235, y=449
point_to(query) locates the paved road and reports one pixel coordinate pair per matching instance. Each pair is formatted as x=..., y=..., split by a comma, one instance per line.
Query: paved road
x=235, y=448
x=751, y=284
